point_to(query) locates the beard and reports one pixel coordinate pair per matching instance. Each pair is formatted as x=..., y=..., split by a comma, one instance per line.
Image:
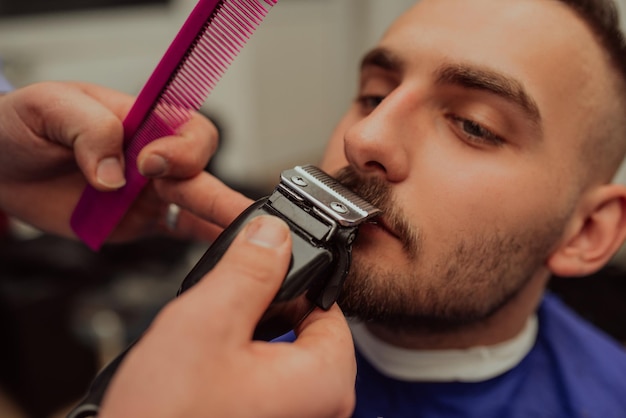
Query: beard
x=465, y=285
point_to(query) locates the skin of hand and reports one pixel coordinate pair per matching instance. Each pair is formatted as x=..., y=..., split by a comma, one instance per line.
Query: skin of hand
x=207, y=205
x=56, y=136
x=197, y=358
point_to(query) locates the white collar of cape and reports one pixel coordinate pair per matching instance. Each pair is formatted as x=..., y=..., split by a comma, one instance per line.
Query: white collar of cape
x=473, y=364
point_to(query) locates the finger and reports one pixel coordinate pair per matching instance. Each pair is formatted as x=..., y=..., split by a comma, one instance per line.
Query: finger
x=326, y=339
x=190, y=227
x=183, y=155
x=87, y=119
x=246, y=279
x=322, y=331
x=205, y=196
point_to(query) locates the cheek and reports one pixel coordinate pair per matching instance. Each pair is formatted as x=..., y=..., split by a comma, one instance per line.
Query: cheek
x=452, y=195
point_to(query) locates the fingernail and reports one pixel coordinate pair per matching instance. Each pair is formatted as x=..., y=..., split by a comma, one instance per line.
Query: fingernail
x=267, y=231
x=110, y=173
x=153, y=166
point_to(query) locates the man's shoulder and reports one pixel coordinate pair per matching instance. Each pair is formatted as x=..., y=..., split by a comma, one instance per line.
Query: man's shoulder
x=578, y=360
x=563, y=330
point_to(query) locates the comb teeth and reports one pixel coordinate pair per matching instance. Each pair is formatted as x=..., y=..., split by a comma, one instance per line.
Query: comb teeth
x=215, y=47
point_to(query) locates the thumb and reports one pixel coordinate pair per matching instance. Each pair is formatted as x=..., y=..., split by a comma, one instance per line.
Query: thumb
x=244, y=282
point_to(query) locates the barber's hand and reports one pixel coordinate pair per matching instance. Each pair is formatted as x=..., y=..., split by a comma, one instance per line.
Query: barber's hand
x=198, y=360
x=207, y=205
x=55, y=137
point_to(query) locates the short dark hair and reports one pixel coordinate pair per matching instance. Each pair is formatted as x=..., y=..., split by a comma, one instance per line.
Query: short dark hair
x=602, y=17
x=604, y=152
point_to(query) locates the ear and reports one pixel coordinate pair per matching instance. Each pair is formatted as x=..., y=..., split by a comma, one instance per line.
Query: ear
x=595, y=234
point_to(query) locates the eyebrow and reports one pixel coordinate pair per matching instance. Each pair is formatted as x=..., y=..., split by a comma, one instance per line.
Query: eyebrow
x=467, y=76
x=490, y=81
x=382, y=58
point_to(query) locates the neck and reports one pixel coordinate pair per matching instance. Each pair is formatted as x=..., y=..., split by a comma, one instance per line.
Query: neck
x=503, y=325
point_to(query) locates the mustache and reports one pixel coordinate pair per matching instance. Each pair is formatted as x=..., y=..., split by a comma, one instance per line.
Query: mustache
x=379, y=193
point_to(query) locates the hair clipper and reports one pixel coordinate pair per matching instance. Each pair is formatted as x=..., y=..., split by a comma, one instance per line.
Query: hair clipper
x=323, y=217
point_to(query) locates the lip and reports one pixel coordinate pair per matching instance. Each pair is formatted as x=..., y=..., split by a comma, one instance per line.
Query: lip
x=381, y=223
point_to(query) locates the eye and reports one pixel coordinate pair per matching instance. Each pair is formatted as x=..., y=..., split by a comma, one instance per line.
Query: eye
x=474, y=132
x=368, y=103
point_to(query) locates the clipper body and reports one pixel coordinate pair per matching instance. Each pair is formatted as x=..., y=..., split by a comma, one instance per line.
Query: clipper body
x=323, y=217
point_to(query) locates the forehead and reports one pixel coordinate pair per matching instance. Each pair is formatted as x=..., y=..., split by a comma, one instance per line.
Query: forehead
x=541, y=43
x=494, y=22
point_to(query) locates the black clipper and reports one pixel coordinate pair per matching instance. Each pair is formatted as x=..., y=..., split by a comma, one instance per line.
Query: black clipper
x=323, y=217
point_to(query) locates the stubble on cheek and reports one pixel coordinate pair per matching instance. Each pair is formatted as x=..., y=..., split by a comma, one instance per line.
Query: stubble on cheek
x=465, y=281
x=477, y=276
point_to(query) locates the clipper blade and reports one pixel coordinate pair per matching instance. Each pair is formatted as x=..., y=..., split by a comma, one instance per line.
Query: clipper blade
x=327, y=194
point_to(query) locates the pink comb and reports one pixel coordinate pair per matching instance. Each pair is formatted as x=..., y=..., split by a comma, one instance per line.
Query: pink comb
x=209, y=40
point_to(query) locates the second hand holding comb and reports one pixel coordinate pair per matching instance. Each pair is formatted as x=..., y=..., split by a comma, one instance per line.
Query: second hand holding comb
x=207, y=43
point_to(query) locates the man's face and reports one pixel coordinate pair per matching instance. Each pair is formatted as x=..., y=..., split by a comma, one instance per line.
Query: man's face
x=467, y=131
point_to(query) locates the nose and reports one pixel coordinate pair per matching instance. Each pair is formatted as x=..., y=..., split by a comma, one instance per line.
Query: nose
x=376, y=145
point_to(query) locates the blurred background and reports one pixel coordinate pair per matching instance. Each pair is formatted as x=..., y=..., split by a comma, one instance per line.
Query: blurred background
x=65, y=311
